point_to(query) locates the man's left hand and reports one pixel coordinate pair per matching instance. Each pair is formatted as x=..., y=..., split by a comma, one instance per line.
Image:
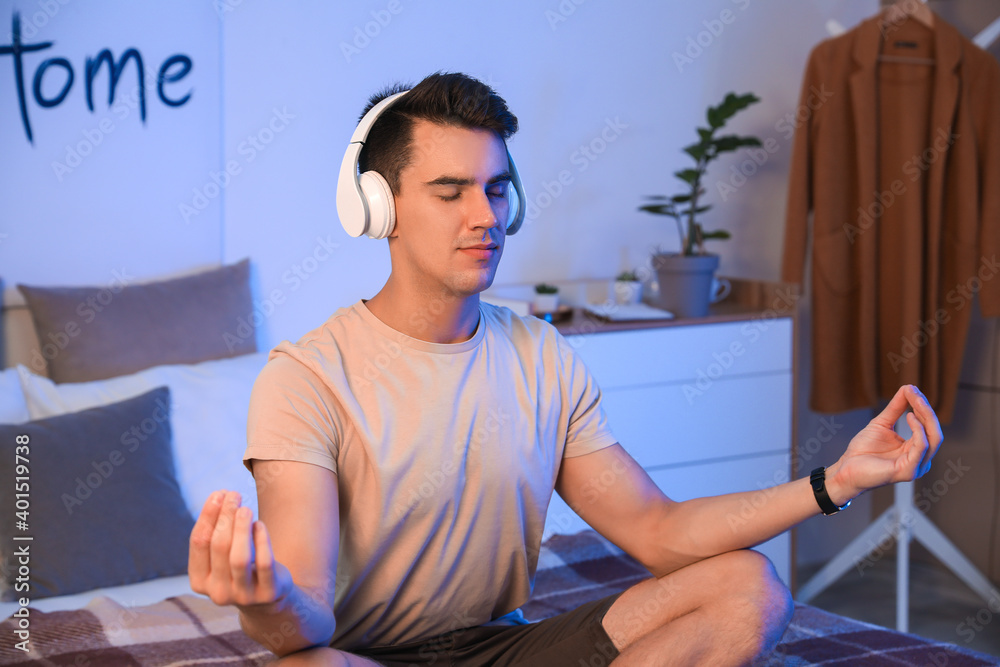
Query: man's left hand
x=878, y=455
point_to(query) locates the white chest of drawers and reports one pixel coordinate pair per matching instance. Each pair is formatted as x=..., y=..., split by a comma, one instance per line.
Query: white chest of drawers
x=704, y=408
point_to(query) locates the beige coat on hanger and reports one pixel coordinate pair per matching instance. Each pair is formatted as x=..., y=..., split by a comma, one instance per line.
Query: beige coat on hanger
x=835, y=174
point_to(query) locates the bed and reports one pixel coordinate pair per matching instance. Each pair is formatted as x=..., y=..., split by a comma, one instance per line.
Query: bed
x=134, y=402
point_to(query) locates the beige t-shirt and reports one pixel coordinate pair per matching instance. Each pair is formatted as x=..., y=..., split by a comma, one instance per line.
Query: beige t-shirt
x=446, y=457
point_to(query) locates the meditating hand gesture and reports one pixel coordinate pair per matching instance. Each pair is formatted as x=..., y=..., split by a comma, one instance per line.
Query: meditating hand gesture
x=878, y=455
x=229, y=565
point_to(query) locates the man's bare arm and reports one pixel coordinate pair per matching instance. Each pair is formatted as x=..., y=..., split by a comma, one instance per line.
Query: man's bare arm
x=279, y=571
x=299, y=503
x=666, y=535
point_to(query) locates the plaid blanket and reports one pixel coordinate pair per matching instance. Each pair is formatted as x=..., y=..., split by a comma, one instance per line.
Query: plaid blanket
x=572, y=569
x=816, y=637
x=183, y=630
x=583, y=567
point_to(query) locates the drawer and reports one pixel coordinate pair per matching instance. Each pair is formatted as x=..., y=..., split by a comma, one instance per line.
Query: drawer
x=692, y=481
x=677, y=423
x=710, y=479
x=686, y=353
x=683, y=482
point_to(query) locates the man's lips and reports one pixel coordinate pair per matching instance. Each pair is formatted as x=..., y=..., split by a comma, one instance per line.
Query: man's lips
x=480, y=250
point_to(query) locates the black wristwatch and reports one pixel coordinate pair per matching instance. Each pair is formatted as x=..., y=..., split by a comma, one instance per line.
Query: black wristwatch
x=817, y=479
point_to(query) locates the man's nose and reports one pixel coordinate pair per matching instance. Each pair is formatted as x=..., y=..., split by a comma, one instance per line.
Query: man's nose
x=483, y=214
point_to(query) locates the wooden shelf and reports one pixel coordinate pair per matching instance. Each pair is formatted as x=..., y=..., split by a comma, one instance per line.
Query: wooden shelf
x=748, y=300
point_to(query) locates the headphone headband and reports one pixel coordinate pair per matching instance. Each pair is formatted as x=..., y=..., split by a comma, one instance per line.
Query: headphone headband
x=365, y=126
x=365, y=203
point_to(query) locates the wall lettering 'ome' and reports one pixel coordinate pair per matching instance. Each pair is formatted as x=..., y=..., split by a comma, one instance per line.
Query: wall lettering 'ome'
x=171, y=72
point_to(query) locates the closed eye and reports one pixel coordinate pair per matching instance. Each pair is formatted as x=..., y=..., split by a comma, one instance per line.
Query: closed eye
x=498, y=195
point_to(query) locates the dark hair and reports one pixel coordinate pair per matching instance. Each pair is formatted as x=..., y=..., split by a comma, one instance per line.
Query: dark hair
x=443, y=98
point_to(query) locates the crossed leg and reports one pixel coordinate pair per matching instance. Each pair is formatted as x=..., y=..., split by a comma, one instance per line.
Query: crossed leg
x=324, y=657
x=724, y=610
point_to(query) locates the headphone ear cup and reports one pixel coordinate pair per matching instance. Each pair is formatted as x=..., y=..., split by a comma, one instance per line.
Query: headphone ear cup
x=513, y=208
x=517, y=206
x=381, y=205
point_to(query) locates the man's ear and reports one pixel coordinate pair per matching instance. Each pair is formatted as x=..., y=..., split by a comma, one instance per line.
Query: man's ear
x=395, y=226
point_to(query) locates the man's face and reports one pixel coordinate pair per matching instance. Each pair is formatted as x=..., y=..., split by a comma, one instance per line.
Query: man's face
x=451, y=210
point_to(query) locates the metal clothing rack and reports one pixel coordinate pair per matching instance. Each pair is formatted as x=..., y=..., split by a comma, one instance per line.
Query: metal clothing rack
x=988, y=35
x=903, y=522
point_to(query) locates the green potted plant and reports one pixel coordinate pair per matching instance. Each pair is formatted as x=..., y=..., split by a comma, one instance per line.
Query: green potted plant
x=627, y=288
x=685, y=277
x=546, y=298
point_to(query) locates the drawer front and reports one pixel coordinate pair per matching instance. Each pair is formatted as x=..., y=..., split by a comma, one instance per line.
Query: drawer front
x=711, y=479
x=684, y=482
x=693, y=481
x=704, y=352
x=677, y=423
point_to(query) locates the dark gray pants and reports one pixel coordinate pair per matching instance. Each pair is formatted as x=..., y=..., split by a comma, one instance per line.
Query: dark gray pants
x=572, y=639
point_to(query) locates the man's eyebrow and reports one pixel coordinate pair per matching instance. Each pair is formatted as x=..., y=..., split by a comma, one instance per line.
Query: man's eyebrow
x=451, y=180
x=458, y=180
x=503, y=176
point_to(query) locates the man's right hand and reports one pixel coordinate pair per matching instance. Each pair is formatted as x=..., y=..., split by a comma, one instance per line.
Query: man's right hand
x=228, y=563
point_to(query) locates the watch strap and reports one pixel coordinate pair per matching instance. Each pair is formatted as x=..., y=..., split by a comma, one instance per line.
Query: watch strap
x=817, y=479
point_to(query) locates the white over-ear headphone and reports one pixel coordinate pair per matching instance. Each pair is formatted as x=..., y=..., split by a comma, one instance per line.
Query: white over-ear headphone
x=364, y=202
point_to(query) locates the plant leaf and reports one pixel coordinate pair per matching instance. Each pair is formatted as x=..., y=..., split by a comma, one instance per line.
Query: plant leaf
x=659, y=209
x=657, y=197
x=680, y=199
x=689, y=176
x=697, y=151
x=731, y=142
x=730, y=106
x=715, y=118
x=717, y=234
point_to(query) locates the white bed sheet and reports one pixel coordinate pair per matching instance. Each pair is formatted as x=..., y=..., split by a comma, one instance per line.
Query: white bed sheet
x=130, y=595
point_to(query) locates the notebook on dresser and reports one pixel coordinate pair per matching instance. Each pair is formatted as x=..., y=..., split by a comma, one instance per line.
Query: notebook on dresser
x=616, y=312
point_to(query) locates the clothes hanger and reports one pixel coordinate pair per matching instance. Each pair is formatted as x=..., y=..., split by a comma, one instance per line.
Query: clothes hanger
x=895, y=13
x=984, y=40
x=899, y=10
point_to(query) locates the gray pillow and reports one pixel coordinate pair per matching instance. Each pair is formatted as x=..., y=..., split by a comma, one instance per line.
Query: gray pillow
x=93, y=333
x=103, y=506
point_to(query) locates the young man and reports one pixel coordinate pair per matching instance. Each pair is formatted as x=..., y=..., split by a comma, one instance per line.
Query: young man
x=406, y=450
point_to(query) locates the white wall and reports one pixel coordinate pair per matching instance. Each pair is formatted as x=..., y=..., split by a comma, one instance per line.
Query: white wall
x=276, y=73
x=565, y=69
x=99, y=192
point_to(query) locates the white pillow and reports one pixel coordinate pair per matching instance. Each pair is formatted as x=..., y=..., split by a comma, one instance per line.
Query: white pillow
x=13, y=409
x=209, y=403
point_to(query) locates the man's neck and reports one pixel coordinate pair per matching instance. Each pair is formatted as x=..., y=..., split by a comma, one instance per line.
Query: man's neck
x=435, y=318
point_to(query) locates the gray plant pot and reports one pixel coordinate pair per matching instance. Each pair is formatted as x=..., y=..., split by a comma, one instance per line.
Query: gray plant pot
x=685, y=282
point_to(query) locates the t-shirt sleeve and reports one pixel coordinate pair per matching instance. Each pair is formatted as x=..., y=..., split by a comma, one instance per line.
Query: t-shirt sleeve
x=588, y=423
x=292, y=416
